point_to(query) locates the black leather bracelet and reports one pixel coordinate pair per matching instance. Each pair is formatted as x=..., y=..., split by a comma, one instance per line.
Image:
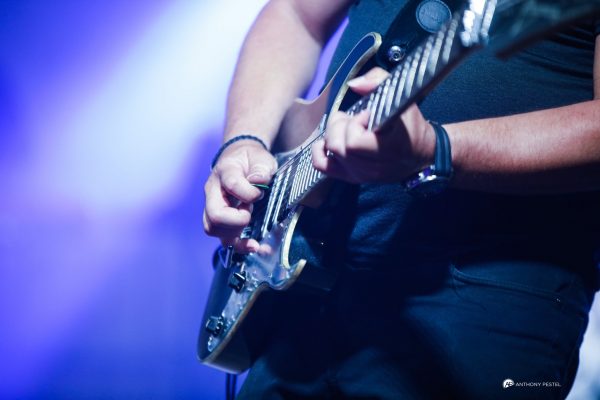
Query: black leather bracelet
x=232, y=141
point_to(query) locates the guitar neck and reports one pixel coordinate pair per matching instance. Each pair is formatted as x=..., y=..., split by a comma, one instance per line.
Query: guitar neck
x=427, y=65
x=408, y=83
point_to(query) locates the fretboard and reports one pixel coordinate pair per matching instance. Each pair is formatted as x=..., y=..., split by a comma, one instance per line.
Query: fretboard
x=408, y=83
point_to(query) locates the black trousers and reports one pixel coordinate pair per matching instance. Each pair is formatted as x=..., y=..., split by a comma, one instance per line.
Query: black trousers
x=506, y=329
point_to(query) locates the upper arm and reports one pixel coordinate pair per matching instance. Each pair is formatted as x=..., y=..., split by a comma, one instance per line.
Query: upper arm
x=597, y=69
x=320, y=18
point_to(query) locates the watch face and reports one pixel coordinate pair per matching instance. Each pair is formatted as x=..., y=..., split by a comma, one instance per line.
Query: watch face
x=428, y=185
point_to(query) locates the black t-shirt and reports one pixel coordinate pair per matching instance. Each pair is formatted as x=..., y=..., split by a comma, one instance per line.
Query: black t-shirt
x=392, y=229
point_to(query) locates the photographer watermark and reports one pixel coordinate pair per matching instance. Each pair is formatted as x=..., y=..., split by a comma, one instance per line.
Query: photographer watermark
x=508, y=383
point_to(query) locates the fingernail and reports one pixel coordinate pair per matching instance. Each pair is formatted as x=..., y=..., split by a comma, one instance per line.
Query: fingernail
x=357, y=81
x=258, y=175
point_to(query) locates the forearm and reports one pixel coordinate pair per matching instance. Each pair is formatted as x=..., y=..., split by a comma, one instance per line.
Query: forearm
x=276, y=64
x=549, y=151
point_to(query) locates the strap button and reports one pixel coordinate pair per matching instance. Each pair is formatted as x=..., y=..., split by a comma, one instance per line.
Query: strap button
x=396, y=53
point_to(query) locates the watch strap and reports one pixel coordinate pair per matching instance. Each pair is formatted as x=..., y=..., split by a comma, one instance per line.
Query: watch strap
x=443, y=151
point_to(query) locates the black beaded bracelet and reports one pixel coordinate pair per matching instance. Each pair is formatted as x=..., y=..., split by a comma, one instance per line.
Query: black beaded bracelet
x=233, y=140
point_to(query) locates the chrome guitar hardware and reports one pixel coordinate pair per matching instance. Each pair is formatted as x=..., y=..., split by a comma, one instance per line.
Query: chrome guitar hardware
x=237, y=281
x=214, y=325
x=396, y=53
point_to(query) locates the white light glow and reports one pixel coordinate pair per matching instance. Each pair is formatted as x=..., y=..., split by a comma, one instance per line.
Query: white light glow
x=128, y=144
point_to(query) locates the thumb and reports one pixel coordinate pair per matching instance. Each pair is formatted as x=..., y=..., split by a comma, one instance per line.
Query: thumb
x=366, y=83
x=262, y=169
x=259, y=173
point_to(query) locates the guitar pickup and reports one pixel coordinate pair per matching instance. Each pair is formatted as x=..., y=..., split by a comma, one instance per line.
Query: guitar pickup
x=237, y=280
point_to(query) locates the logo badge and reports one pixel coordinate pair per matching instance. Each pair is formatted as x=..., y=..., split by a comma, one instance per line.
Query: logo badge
x=508, y=383
x=432, y=14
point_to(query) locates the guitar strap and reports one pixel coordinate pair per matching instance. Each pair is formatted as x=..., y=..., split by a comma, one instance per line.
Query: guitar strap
x=415, y=21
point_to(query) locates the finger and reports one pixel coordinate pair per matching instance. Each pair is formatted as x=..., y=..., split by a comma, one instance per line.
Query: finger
x=366, y=83
x=330, y=166
x=262, y=167
x=225, y=233
x=320, y=160
x=335, y=137
x=244, y=246
x=235, y=183
x=221, y=218
x=359, y=140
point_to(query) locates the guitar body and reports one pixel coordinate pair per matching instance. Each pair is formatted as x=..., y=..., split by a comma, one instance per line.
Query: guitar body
x=235, y=322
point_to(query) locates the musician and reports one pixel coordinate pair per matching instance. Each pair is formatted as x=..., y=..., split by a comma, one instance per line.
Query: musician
x=480, y=291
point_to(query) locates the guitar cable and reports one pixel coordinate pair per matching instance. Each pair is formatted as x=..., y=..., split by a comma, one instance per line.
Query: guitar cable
x=230, y=386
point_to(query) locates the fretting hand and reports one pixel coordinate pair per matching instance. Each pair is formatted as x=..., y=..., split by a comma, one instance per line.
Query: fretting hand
x=352, y=153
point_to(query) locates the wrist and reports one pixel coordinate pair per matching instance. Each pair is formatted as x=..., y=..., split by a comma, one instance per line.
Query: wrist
x=436, y=175
x=425, y=148
x=237, y=141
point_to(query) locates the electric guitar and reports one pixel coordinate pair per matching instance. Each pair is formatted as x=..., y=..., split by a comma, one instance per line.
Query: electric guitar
x=231, y=335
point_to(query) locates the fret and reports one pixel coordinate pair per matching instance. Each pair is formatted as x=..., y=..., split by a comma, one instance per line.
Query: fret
x=370, y=101
x=410, y=80
x=305, y=171
x=373, y=108
x=449, y=41
x=294, y=190
x=311, y=176
x=286, y=187
x=352, y=110
x=275, y=216
x=384, y=100
x=359, y=106
x=279, y=200
x=270, y=205
x=402, y=83
x=424, y=61
x=300, y=177
x=435, y=55
x=306, y=176
x=362, y=104
x=394, y=87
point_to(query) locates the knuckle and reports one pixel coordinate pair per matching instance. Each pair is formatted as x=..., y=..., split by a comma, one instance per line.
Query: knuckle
x=317, y=162
x=335, y=146
x=209, y=228
x=230, y=183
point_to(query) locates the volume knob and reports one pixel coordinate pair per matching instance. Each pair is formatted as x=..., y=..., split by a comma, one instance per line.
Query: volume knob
x=214, y=325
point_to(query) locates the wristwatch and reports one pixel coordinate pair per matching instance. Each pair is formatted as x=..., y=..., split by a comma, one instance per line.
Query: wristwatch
x=436, y=177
